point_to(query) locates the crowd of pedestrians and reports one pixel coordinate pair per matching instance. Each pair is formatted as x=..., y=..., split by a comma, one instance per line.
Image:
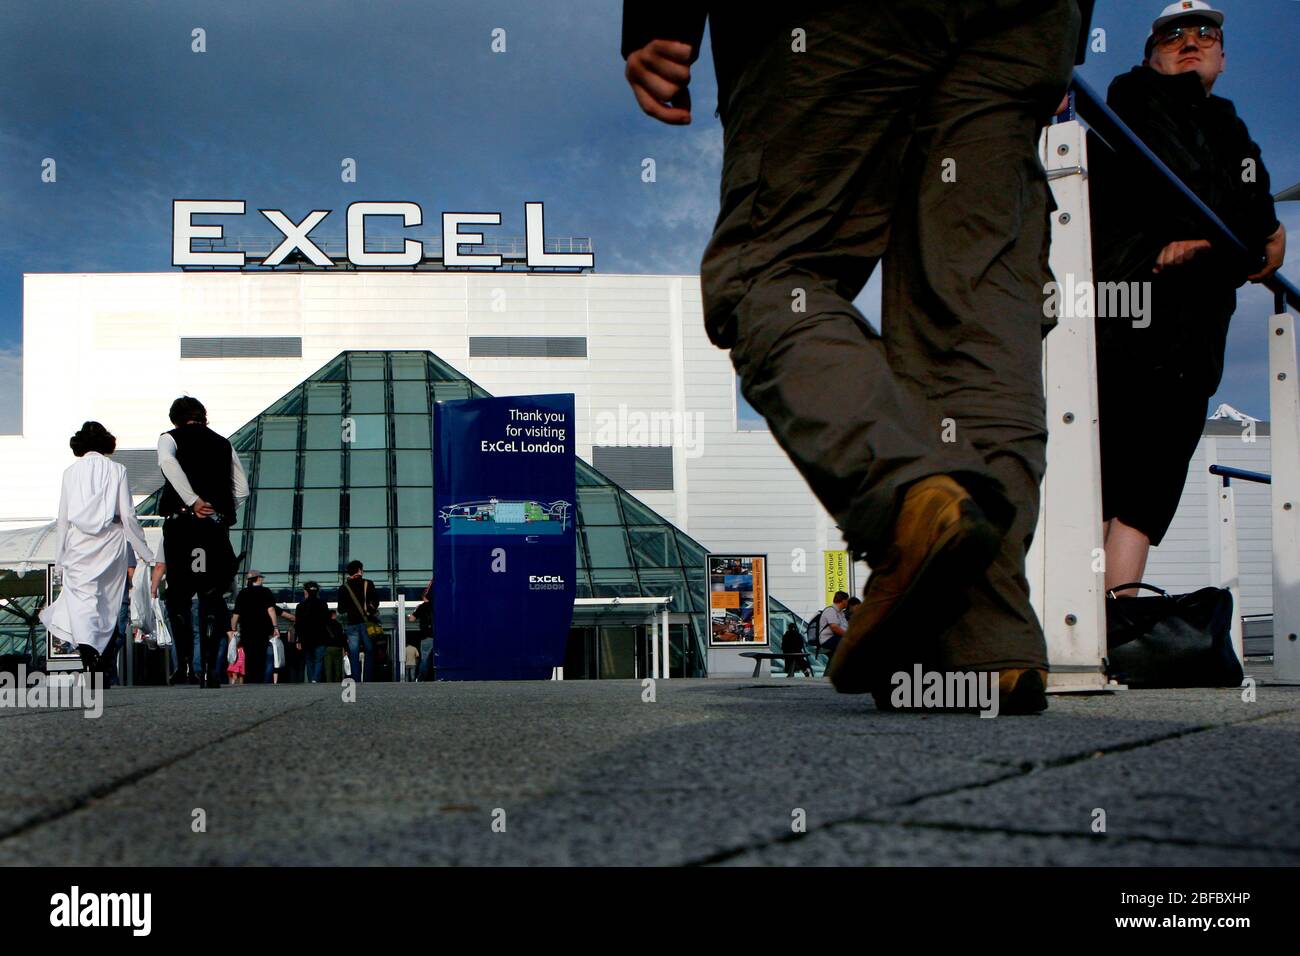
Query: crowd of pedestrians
x=175, y=619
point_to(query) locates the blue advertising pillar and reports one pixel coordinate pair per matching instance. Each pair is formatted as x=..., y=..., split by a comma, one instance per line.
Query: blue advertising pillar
x=504, y=545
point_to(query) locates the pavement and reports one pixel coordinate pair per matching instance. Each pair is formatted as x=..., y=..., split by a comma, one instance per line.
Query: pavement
x=714, y=772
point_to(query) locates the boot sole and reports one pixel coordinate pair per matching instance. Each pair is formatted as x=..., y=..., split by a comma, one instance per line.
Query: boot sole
x=957, y=558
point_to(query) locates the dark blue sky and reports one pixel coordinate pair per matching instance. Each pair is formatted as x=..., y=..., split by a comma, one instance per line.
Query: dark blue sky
x=413, y=92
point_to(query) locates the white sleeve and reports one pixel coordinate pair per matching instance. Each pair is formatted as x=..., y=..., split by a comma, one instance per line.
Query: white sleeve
x=131, y=524
x=171, y=469
x=238, y=480
x=61, y=524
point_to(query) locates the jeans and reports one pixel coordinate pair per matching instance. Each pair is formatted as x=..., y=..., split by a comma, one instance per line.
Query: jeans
x=121, y=638
x=426, y=659
x=314, y=659
x=358, y=639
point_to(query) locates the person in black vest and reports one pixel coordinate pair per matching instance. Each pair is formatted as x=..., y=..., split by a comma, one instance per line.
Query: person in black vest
x=204, y=480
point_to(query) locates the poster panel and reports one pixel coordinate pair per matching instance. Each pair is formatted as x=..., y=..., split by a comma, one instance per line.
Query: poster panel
x=737, y=586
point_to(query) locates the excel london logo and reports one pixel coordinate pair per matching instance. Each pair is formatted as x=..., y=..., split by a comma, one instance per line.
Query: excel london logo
x=546, y=582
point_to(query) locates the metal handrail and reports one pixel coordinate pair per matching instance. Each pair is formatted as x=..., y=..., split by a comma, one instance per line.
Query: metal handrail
x=1227, y=474
x=1115, y=133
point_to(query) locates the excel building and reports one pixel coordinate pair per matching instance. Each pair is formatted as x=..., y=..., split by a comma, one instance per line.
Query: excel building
x=671, y=467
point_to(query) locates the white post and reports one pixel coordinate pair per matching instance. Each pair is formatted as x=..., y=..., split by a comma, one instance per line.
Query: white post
x=654, y=644
x=399, y=653
x=1229, y=576
x=665, y=640
x=1284, y=403
x=1065, y=576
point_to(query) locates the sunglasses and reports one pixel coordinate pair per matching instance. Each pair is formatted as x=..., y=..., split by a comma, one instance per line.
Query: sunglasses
x=1204, y=35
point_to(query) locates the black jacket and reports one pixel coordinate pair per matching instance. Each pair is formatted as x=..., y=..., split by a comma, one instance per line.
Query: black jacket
x=310, y=622
x=1135, y=214
x=1201, y=139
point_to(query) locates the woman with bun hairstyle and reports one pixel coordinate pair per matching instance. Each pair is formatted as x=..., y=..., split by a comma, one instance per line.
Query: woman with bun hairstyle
x=96, y=520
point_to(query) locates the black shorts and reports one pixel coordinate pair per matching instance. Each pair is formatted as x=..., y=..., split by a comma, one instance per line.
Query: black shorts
x=1150, y=424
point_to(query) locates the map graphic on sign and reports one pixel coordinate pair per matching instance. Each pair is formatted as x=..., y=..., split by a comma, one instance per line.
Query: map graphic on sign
x=495, y=516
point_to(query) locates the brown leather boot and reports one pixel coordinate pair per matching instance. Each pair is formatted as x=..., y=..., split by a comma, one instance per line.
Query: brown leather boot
x=1022, y=691
x=941, y=542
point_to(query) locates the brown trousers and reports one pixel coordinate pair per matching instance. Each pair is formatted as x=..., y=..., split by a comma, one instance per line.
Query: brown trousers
x=906, y=131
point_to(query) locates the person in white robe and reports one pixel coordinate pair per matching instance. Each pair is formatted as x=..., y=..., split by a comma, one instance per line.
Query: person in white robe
x=96, y=520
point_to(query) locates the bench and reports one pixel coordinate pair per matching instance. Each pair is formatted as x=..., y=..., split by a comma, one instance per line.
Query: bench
x=760, y=656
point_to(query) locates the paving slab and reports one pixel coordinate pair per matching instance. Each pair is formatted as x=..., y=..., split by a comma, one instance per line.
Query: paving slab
x=772, y=771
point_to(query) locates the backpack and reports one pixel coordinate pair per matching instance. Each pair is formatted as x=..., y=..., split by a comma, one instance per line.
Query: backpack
x=813, y=630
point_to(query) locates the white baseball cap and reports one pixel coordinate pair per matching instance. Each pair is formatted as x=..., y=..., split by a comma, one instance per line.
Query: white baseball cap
x=1186, y=8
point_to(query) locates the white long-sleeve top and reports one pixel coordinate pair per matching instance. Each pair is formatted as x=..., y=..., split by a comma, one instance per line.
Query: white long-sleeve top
x=172, y=470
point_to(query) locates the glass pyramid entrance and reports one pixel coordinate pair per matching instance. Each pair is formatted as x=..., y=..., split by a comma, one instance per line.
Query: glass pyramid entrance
x=318, y=501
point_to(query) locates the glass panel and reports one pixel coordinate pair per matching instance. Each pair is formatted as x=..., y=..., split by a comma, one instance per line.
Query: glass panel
x=415, y=550
x=276, y=469
x=318, y=556
x=320, y=509
x=243, y=439
x=366, y=367
x=370, y=548
x=415, y=507
x=450, y=391
x=366, y=397
x=654, y=547
x=607, y=582
x=325, y=398
x=322, y=469
x=663, y=582
x=607, y=547
x=290, y=404
x=414, y=468
x=411, y=397
x=271, y=552
x=371, y=431
x=409, y=366
x=587, y=476
x=367, y=468
x=412, y=431
x=693, y=556
x=583, y=584
x=598, y=506
x=279, y=433
x=274, y=509
x=324, y=431
x=368, y=508
x=638, y=513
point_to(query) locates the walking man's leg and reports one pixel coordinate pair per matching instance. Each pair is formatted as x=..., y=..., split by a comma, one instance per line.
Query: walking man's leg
x=964, y=319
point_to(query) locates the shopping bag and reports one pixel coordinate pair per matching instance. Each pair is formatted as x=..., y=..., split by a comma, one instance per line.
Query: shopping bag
x=232, y=650
x=277, y=652
x=162, y=633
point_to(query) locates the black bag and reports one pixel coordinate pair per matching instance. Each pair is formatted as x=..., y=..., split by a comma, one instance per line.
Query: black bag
x=1172, y=640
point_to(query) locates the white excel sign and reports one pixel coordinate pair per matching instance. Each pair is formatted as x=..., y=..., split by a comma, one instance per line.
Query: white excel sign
x=297, y=236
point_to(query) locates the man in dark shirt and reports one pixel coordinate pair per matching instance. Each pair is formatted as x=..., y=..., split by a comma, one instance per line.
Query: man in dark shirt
x=256, y=622
x=204, y=481
x=904, y=131
x=358, y=602
x=1167, y=366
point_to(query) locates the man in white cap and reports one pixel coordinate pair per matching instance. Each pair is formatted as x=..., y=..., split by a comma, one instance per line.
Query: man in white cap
x=1163, y=370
